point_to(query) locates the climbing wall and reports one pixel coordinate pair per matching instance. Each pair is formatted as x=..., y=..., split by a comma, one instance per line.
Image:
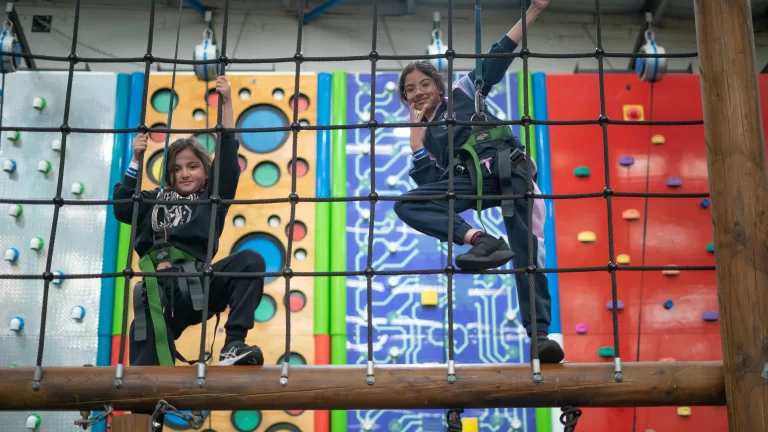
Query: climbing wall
x=664, y=316
x=410, y=312
x=30, y=170
x=265, y=158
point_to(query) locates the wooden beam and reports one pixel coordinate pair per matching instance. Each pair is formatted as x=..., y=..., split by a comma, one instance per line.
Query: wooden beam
x=345, y=387
x=738, y=186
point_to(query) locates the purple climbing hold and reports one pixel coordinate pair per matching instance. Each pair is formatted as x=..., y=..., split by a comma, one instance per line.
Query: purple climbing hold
x=674, y=182
x=710, y=316
x=581, y=328
x=619, y=306
x=626, y=160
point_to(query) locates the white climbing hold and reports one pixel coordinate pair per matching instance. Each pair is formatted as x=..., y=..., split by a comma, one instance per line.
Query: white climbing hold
x=78, y=313
x=16, y=324
x=77, y=188
x=36, y=243
x=11, y=255
x=56, y=144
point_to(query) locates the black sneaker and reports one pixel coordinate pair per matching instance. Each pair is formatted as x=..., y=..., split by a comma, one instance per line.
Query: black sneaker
x=549, y=351
x=488, y=252
x=238, y=353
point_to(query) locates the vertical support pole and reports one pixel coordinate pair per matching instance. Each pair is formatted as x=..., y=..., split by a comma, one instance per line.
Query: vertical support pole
x=738, y=185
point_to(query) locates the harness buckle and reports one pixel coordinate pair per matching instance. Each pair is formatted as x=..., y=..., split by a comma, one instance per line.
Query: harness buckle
x=516, y=156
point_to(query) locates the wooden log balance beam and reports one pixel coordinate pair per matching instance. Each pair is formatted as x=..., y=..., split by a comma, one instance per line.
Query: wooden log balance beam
x=344, y=387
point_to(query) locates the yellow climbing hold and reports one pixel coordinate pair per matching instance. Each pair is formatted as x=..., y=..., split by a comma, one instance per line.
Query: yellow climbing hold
x=429, y=297
x=658, y=139
x=630, y=214
x=622, y=259
x=587, y=237
x=470, y=424
x=673, y=272
x=684, y=411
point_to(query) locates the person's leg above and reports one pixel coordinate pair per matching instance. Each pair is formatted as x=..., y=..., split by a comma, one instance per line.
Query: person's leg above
x=432, y=218
x=243, y=296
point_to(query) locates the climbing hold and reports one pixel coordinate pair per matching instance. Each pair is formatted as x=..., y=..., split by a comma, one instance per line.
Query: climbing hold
x=77, y=188
x=59, y=280
x=392, y=181
x=394, y=352
x=392, y=247
x=710, y=316
x=630, y=214
x=619, y=305
x=56, y=144
x=11, y=255
x=509, y=315
x=78, y=313
x=674, y=182
x=33, y=421
x=684, y=411
x=36, y=243
x=516, y=424
x=581, y=171
x=622, y=259
x=587, y=237
x=429, y=297
x=673, y=272
x=581, y=329
x=39, y=103
x=711, y=247
x=470, y=424
x=9, y=166
x=658, y=139
x=393, y=281
x=626, y=160
x=668, y=304
x=606, y=351
x=16, y=324
x=44, y=166
x=390, y=86
x=705, y=203
x=13, y=135
x=15, y=210
x=634, y=113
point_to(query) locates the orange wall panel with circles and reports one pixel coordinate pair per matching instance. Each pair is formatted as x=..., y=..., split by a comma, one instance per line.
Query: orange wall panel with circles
x=259, y=100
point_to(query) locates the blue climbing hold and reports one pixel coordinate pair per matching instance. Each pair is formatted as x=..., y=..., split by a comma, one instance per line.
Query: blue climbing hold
x=674, y=182
x=626, y=160
x=705, y=203
x=668, y=304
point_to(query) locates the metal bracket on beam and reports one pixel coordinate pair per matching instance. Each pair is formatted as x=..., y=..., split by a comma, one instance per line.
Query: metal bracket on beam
x=13, y=17
x=320, y=10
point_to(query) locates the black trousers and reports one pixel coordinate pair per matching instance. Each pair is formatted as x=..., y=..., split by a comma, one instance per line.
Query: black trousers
x=432, y=218
x=243, y=297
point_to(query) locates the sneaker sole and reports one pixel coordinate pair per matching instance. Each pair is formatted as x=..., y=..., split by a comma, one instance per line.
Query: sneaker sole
x=235, y=360
x=496, y=259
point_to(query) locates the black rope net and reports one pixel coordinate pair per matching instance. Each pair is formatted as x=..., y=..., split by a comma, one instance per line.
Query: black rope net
x=215, y=201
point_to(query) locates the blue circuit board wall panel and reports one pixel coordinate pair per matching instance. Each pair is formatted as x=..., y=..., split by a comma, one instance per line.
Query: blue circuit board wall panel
x=487, y=326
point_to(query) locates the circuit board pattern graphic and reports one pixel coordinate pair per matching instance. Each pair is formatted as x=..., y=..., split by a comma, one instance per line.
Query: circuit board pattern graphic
x=487, y=326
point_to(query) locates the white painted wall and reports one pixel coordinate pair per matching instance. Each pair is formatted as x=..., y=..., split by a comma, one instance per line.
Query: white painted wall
x=123, y=32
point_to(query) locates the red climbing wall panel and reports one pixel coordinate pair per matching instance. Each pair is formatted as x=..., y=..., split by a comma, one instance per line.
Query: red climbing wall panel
x=677, y=231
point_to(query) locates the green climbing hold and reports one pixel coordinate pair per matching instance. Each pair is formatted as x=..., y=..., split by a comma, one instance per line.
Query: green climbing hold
x=581, y=171
x=711, y=247
x=606, y=352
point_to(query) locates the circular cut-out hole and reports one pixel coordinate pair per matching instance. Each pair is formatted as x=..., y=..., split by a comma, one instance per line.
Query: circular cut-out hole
x=161, y=100
x=208, y=141
x=266, y=310
x=300, y=254
x=266, y=174
x=198, y=114
x=212, y=98
x=246, y=421
x=302, y=167
x=294, y=413
x=263, y=116
x=274, y=221
x=299, y=230
x=303, y=102
x=297, y=300
x=243, y=162
x=155, y=167
x=158, y=136
x=283, y=427
x=294, y=358
x=244, y=94
x=268, y=246
x=278, y=94
x=239, y=221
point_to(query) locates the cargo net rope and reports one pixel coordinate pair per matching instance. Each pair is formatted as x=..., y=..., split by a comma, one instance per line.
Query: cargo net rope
x=526, y=121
